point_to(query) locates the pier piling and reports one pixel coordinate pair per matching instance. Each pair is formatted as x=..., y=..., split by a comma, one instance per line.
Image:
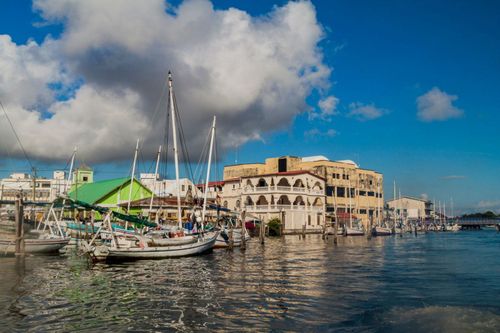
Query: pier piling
x=20, y=246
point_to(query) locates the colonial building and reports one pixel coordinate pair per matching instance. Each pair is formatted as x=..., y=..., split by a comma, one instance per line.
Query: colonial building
x=348, y=189
x=411, y=208
x=297, y=198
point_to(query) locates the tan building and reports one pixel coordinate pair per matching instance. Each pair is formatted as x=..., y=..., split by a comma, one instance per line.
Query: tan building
x=348, y=188
x=411, y=208
x=45, y=190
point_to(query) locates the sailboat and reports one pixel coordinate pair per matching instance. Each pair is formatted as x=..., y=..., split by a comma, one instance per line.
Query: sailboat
x=378, y=229
x=169, y=243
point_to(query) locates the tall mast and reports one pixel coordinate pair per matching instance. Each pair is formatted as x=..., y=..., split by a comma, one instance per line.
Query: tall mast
x=350, y=198
x=68, y=182
x=395, y=202
x=378, y=202
x=154, y=181
x=176, y=152
x=208, y=174
x=132, y=181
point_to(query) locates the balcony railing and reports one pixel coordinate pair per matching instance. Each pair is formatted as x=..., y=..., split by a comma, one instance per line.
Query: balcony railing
x=275, y=208
x=282, y=189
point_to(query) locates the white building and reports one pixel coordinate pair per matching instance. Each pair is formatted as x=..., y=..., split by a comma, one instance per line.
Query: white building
x=168, y=187
x=46, y=190
x=297, y=198
x=411, y=208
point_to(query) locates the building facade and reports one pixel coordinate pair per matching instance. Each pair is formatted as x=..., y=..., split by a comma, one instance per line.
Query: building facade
x=297, y=198
x=43, y=190
x=349, y=191
x=411, y=208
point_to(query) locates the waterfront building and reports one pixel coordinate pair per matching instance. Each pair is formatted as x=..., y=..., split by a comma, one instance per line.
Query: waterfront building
x=39, y=189
x=111, y=193
x=348, y=191
x=168, y=187
x=412, y=208
x=297, y=198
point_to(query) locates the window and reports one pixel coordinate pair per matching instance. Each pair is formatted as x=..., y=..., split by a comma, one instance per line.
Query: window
x=352, y=192
x=362, y=193
x=282, y=165
x=330, y=190
x=309, y=220
x=371, y=194
x=85, y=178
x=362, y=211
x=318, y=219
x=341, y=192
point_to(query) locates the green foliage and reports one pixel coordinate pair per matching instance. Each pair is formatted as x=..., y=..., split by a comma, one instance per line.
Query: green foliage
x=274, y=226
x=485, y=215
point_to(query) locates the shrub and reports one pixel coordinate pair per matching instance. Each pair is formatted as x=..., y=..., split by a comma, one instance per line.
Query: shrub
x=274, y=226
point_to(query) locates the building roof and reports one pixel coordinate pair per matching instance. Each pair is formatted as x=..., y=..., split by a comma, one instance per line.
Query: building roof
x=411, y=198
x=286, y=173
x=314, y=158
x=92, y=192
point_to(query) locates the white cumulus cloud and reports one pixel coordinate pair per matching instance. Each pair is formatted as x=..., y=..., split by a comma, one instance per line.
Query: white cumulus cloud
x=327, y=109
x=110, y=64
x=437, y=105
x=365, y=112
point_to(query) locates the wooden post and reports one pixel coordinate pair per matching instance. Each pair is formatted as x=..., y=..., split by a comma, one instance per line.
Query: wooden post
x=262, y=231
x=231, y=240
x=20, y=248
x=335, y=230
x=370, y=226
x=243, y=231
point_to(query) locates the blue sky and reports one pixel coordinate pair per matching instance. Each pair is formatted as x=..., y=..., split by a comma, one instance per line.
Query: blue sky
x=384, y=55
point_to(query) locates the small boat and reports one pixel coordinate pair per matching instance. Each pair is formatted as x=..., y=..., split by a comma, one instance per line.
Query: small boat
x=140, y=247
x=353, y=232
x=43, y=244
x=381, y=231
x=223, y=238
x=454, y=227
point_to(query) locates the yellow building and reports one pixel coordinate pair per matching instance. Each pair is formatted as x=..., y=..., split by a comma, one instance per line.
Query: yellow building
x=348, y=188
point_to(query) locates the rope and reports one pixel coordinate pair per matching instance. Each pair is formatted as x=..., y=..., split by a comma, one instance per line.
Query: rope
x=17, y=137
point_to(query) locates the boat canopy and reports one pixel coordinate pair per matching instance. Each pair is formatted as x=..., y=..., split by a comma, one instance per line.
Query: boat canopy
x=103, y=210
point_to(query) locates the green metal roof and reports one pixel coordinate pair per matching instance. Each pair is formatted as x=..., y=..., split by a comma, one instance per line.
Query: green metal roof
x=92, y=192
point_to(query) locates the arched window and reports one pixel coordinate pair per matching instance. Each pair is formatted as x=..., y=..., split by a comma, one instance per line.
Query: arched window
x=299, y=201
x=262, y=201
x=283, y=182
x=318, y=202
x=317, y=186
x=249, y=201
x=262, y=183
x=298, y=183
x=238, y=203
x=283, y=200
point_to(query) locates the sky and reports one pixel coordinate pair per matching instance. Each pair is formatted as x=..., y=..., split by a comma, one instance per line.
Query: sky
x=409, y=89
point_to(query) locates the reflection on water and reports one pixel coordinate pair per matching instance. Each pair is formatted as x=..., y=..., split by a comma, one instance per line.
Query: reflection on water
x=444, y=282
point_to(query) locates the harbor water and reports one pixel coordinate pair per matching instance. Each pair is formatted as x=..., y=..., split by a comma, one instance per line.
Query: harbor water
x=435, y=282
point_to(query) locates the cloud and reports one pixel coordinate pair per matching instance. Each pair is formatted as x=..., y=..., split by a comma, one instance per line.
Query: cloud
x=451, y=177
x=316, y=133
x=98, y=84
x=365, y=112
x=489, y=204
x=327, y=109
x=437, y=105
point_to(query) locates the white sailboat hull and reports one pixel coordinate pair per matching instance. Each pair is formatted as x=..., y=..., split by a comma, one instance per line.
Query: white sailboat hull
x=8, y=246
x=380, y=231
x=353, y=232
x=159, y=252
x=223, y=238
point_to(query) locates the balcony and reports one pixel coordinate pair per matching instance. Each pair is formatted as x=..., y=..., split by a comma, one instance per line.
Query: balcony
x=278, y=208
x=281, y=189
